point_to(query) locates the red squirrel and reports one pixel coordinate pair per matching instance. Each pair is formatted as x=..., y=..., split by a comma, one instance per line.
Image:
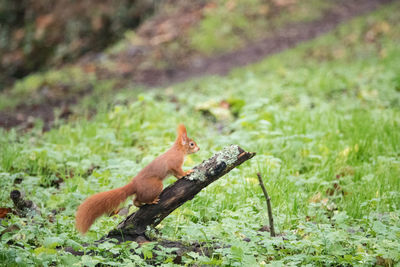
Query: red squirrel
x=147, y=184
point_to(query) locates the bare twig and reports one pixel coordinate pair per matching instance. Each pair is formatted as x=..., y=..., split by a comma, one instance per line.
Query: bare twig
x=268, y=199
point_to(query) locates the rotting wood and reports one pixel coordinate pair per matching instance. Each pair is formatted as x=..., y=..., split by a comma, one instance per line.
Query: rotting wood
x=23, y=207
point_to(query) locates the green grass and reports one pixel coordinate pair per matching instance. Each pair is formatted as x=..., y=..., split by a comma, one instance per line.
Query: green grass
x=47, y=86
x=324, y=119
x=228, y=24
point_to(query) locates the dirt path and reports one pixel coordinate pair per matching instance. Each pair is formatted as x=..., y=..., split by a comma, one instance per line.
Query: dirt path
x=278, y=41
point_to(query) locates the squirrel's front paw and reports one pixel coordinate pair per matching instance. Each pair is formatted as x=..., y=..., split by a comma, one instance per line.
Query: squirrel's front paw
x=188, y=172
x=184, y=174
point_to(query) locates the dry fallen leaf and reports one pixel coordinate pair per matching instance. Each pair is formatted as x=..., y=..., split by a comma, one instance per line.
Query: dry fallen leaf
x=4, y=212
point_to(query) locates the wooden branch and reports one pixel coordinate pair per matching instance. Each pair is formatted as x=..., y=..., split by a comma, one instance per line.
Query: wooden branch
x=268, y=199
x=175, y=195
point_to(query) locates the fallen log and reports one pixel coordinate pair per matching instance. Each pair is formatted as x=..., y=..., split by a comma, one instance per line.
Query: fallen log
x=134, y=227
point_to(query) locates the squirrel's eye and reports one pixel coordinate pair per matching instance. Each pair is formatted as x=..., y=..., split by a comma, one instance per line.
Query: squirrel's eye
x=191, y=144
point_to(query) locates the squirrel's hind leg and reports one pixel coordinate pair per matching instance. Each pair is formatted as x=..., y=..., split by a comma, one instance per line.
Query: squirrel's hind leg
x=155, y=201
x=137, y=203
x=149, y=192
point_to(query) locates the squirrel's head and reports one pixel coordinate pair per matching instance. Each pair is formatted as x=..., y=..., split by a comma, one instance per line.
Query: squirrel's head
x=188, y=145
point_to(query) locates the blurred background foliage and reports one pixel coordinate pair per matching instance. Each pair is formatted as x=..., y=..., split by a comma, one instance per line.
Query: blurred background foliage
x=42, y=34
x=39, y=33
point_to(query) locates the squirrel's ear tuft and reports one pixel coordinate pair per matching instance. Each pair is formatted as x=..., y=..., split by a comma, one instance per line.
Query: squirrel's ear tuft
x=181, y=129
x=182, y=133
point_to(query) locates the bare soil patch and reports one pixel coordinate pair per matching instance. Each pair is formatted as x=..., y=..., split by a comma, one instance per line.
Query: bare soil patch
x=279, y=41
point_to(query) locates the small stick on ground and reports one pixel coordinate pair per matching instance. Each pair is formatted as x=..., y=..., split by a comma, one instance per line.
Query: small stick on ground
x=268, y=199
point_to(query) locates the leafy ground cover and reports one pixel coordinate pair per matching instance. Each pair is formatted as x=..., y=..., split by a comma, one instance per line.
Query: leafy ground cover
x=323, y=119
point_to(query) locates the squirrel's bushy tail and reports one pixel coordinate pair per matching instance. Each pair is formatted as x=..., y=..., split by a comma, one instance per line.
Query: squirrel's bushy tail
x=100, y=203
